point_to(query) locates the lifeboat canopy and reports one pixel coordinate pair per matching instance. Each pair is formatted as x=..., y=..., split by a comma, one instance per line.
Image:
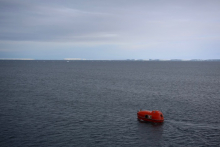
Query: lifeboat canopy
x=150, y=116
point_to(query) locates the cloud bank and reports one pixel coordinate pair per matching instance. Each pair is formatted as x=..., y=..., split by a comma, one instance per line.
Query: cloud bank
x=121, y=29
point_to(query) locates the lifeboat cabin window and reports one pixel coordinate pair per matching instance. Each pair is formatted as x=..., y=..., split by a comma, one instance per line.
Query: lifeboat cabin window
x=161, y=115
x=148, y=116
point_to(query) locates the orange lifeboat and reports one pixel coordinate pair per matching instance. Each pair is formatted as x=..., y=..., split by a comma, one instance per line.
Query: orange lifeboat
x=150, y=116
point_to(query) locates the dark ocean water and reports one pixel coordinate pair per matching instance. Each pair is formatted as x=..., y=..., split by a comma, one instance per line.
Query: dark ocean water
x=94, y=103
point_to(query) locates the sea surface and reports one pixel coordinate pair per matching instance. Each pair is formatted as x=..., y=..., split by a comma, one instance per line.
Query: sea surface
x=95, y=103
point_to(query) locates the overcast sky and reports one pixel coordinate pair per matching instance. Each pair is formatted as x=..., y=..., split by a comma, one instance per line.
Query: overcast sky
x=110, y=29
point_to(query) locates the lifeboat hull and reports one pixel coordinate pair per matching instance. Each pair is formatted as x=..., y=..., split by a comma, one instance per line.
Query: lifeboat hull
x=154, y=116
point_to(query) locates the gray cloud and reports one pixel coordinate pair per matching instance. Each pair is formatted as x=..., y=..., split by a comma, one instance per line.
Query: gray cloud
x=128, y=24
x=107, y=20
x=38, y=22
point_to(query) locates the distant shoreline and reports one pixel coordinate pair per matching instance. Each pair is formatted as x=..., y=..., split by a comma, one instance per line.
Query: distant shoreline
x=135, y=60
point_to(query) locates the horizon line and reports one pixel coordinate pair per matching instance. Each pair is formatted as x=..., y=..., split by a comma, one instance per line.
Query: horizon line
x=80, y=59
